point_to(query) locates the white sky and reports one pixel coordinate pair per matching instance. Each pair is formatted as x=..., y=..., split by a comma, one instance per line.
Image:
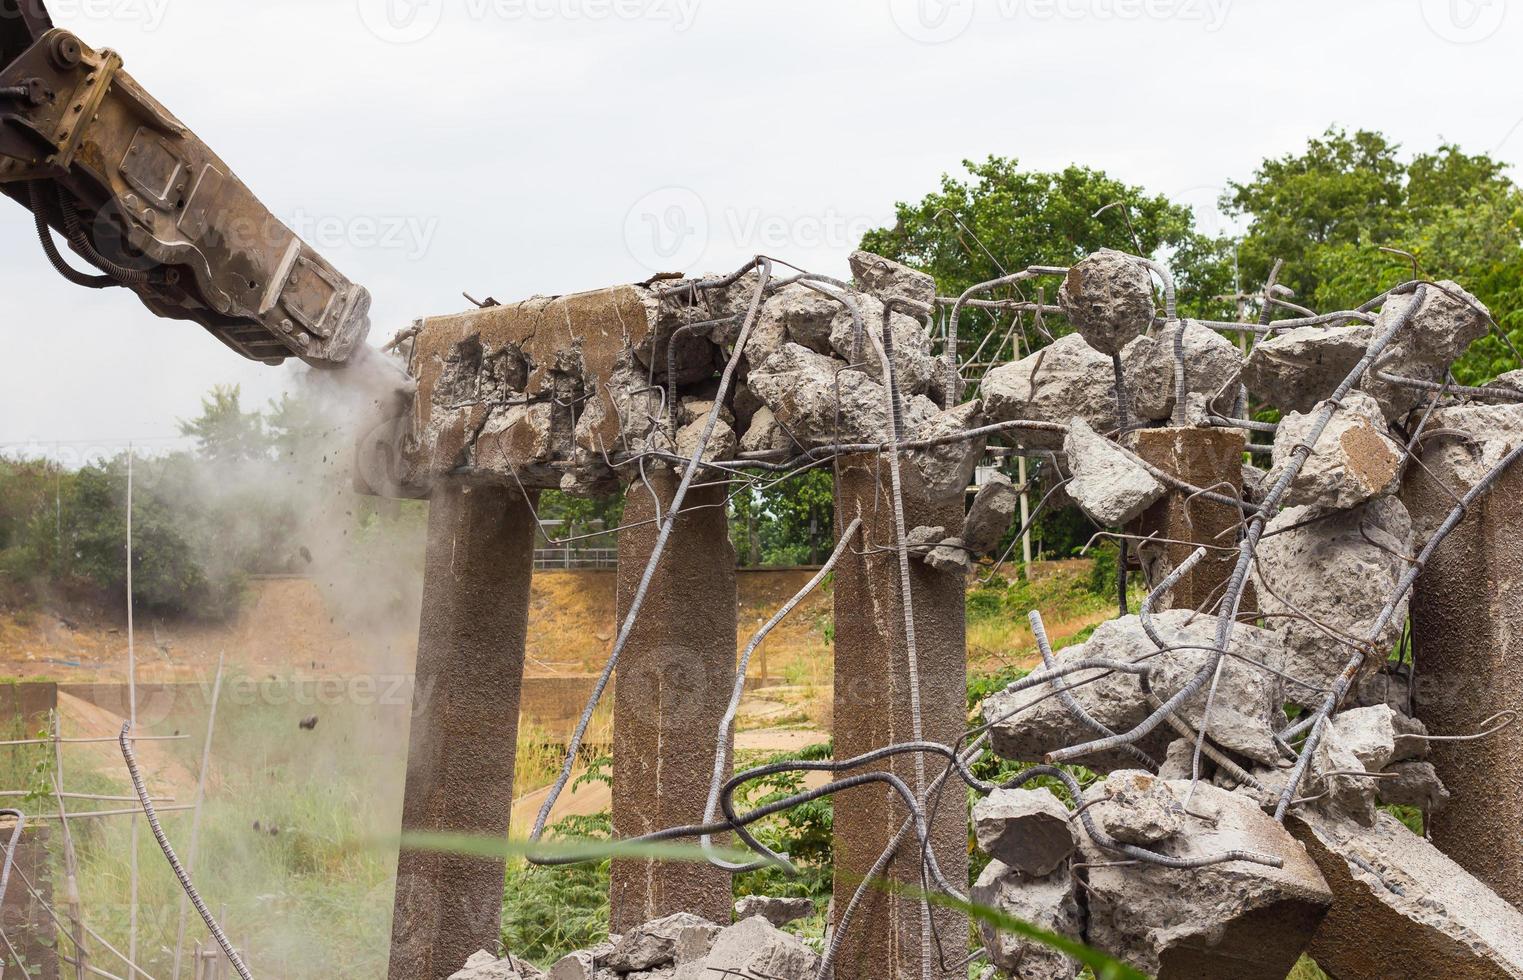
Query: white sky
x=546, y=146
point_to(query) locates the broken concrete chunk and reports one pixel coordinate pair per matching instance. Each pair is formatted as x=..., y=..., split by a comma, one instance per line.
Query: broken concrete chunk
x=1237, y=919
x=1108, y=484
x=1247, y=709
x=1510, y=381
x=653, y=944
x=950, y=556
x=1026, y=829
x=1380, y=735
x=803, y=315
x=947, y=470
x=1049, y=903
x=720, y=447
x=1179, y=761
x=1340, y=779
x=921, y=540
x=754, y=947
x=1353, y=461
x=698, y=409
x=800, y=387
x=582, y=965
x=485, y=966
x=886, y=279
x=992, y=515
x=1413, y=784
x=778, y=911
x=913, y=364
x=1067, y=379
x=1448, y=322
x=1403, y=909
x=1213, y=371
x=1337, y=567
x=1108, y=297
x=765, y=434
x=1139, y=808
x=1295, y=370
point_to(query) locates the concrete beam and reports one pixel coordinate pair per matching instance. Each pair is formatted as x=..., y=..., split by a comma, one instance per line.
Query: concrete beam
x=674, y=681
x=477, y=571
x=872, y=709
x=1467, y=612
x=1208, y=458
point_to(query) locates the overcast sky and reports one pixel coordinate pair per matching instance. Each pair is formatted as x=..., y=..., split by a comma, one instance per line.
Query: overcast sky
x=515, y=147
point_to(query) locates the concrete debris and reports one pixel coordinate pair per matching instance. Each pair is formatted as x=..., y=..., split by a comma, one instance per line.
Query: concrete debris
x=1108, y=484
x=992, y=515
x=765, y=434
x=1067, y=379
x=1139, y=808
x=1414, y=784
x=914, y=366
x=654, y=944
x=800, y=386
x=1179, y=761
x=1248, y=706
x=638, y=408
x=1510, y=381
x=752, y=947
x=1048, y=902
x=485, y=966
x=1253, y=483
x=1384, y=687
x=697, y=410
x=1027, y=829
x=797, y=314
x=1298, y=368
x=583, y=965
x=1403, y=909
x=1108, y=297
x=946, y=471
x=1336, y=568
x=1235, y=919
x=1381, y=735
x=921, y=540
x=886, y=279
x=1449, y=321
x=778, y=911
x=1354, y=460
x=721, y=445
x=1338, y=780
x=1213, y=370
x=950, y=556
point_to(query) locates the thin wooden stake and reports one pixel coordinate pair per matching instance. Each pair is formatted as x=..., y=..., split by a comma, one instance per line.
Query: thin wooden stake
x=132, y=713
x=71, y=861
x=195, y=820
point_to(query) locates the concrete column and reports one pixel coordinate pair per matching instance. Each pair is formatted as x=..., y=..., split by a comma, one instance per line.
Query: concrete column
x=1211, y=459
x=872, y=710
x=23, y=918
x=1467, y=612
x=674, y=680
x=464, y=733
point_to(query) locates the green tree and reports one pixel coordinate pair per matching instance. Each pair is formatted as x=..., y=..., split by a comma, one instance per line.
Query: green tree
x=224, y=432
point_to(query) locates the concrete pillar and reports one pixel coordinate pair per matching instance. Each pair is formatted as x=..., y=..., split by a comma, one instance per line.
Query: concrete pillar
x=1467, y=612
x=1211, y=459
x=464, y=733
x=24, y=919
x=872, y=710
x=674, y=680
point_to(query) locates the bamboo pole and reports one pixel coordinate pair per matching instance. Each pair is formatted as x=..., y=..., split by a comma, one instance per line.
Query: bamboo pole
x=195, y=820
x=132, y=716
x=71, y=861
x=95, y=741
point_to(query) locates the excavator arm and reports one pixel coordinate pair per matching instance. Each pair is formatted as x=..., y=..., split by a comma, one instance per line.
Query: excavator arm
x=139, y=197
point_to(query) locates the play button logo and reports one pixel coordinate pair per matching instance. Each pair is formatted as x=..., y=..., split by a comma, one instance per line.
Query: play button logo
x=401, y=21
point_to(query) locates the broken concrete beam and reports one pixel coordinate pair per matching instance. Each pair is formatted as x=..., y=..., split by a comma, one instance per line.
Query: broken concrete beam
x=873, y=710
x=822, y=402
x=1402, y=909
x=1336, y=568
x=1213, y=371
x=1108, y=484
x=1448, y=322
x=1066, y=379
x=887, y=280
x=992, y=515
x=1027, y=829
x=752, y=947
x=1048, y=902
x=675, y=678
x=651, y=945
x=1467, y=614
x=1295, y=370
x=1354, y=461
x=778, y=911
x=1183, y=522
x=1237, y=919
x=1108, y=297
x=1029, y=724
x=464, y=733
